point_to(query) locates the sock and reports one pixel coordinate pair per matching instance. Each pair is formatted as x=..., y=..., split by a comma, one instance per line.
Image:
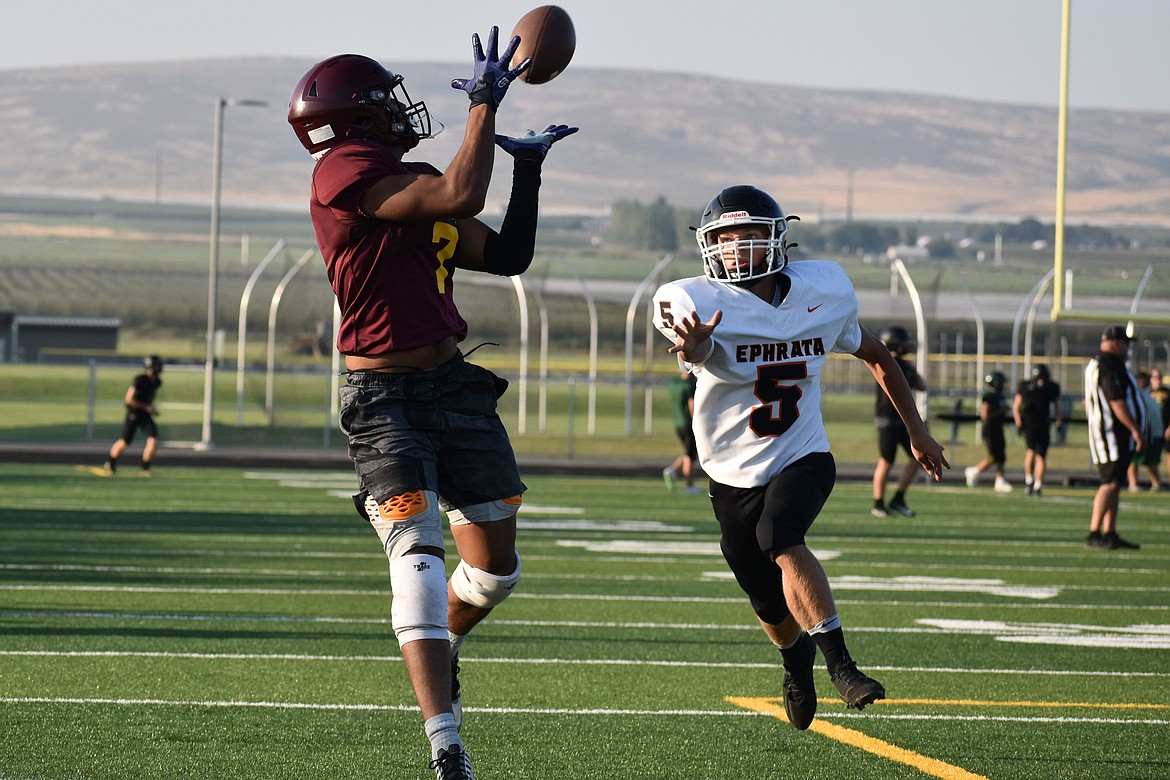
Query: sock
x=831, y=641
x=790, y=645
x=1028, y=479
x=899, y=498
x=442, y=733
x=146, y=465
x=877, y=504
x=113, y=463
x=456, y=642
x=786, y=650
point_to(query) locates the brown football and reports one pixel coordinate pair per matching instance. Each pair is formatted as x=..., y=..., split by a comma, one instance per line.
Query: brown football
x=547, y=36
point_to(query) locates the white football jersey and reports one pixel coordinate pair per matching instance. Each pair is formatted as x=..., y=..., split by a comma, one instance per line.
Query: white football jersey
x=758, y=398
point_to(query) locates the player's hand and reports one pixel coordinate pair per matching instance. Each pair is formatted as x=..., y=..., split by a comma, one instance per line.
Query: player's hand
x=491, y=78
x=533, y=145
x=929, y=454
x=694, y=335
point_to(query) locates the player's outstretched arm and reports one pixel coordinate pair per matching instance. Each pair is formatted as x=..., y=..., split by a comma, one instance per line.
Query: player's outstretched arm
x=510, y=251
x=927, y=451
x=534, y=146
x=460, y=191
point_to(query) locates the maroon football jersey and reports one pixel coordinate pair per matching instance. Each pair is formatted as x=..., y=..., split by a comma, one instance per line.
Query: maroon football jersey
x=393, y=280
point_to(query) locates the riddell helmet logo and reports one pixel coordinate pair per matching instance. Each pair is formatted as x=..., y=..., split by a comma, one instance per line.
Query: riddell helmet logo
x=735, y=215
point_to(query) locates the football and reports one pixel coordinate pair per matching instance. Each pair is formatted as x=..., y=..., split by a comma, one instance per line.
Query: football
x=547, y=36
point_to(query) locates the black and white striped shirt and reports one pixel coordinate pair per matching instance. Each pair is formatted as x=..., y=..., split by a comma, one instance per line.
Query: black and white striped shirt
x=1107, y=379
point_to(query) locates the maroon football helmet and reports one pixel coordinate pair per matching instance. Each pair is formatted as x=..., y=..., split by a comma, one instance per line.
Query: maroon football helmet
x=351, y=96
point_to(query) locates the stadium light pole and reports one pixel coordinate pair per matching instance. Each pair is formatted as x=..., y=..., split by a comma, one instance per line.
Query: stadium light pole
x=213, y=272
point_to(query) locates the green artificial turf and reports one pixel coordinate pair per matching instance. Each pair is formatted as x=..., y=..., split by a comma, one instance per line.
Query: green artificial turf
x=235, y=624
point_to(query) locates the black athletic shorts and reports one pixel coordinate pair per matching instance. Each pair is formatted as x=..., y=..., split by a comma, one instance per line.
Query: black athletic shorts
x=890, y=438
x=996, y=446
x=757, y=523
x=430, y=430
x=1037, y=438
x=687, y=437
x=1115, y=471
x=135, y=419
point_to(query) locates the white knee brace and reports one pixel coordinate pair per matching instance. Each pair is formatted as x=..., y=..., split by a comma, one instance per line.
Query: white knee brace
x=480, y=588
x=419, y=609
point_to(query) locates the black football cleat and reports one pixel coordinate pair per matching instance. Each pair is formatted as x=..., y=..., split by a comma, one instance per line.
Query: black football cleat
x=1095, y=541
x=901, y=508
x=856, y=689
x=800, y=695
x=1114, y=542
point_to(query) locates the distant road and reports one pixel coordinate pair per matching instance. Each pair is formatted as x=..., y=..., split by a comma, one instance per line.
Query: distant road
x=875, y=305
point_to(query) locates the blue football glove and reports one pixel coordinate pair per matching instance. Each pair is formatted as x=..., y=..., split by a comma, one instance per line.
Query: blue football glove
x=492, y=77
x=533, y=145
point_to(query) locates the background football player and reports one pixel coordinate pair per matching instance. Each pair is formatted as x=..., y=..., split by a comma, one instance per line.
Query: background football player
x=756, y=332
x=140, y=413
x=892, y=433
x=993, y=412
x=1036, y=408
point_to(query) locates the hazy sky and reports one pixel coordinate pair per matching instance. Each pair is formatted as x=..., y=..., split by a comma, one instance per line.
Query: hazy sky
x=996, y=50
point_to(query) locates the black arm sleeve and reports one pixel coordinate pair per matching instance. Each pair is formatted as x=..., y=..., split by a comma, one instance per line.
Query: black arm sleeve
x=510, y=251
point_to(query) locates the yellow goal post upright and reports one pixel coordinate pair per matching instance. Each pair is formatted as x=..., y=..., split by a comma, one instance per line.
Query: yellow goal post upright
x=1059, y=310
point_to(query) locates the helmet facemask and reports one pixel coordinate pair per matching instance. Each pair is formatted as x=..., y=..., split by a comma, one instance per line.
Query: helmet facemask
x=714, y=252
x=406, y=122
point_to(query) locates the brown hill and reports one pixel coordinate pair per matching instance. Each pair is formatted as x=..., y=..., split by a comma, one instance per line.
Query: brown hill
x=145, y=130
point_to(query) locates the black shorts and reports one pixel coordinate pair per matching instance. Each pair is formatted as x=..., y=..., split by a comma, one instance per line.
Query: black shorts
x=135, y=419
x=430, y=430
x=1037, y=438
x=1115, y=471
x=757, y=523
x=996, y=446
x=687, y=437
x=890, y=438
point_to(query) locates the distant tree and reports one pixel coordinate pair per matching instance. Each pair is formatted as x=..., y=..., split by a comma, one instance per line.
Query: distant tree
x=941, y=248
x=861, y=236
x=660, y=228
x=1031, y=229
x=1090, y=237
x=654, y=226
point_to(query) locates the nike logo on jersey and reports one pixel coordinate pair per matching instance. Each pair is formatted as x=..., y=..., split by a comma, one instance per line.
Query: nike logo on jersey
x=811, y=309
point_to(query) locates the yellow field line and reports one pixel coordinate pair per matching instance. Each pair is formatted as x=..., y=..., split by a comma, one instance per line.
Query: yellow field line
x=925, y=764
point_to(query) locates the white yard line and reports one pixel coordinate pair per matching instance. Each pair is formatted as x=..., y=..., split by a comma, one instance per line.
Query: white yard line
x=603, y=712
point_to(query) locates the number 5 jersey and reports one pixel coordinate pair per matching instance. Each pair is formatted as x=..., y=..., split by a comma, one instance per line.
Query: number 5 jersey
x=758, y=399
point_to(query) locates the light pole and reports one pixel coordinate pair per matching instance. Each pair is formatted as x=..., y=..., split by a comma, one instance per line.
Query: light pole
x=213, y=271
